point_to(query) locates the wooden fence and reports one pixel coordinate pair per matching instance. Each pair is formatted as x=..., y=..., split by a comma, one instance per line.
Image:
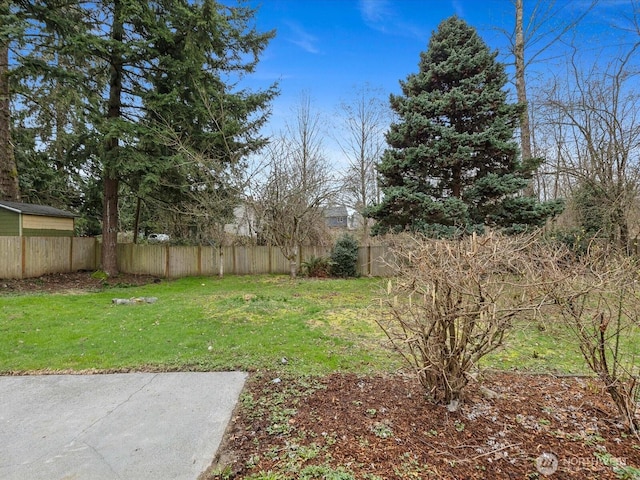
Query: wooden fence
x=27, y=257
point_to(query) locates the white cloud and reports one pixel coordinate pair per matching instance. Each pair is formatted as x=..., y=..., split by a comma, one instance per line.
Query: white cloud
x=302, y=38
x=457, y=6
x=381, y=16
x=374, y=12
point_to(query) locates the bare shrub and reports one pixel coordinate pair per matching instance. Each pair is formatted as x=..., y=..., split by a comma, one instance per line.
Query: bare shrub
x=598, y=299
x=450, y=303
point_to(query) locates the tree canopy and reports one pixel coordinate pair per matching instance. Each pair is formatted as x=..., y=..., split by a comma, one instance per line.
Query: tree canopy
x=453, y=163
x=115, y=88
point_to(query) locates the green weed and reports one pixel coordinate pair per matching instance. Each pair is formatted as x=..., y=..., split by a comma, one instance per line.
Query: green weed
x=382, y=430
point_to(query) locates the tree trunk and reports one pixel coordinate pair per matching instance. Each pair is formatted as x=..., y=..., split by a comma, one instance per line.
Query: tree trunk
x=110, y=226
x=136, y=227
x=110, y=175
x=221, y=261
x=9, y=187
x=521, y=91
x=293, y=263
x=456, y=181
x=622, y=228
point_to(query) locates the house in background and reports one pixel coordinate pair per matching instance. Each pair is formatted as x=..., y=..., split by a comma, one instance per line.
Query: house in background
x=337, y=216
x=244, y=222
x=27, y=220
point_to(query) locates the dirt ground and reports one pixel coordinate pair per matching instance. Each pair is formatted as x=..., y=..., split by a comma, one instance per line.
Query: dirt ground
x=511, y=426
x=61, y=282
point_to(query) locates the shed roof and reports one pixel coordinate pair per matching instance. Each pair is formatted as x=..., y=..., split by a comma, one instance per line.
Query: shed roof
x=31, y=209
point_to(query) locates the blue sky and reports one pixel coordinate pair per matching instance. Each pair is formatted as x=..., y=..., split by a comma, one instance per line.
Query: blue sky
x=327, y=47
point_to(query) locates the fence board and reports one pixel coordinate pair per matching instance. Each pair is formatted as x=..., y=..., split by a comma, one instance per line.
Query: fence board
x=262, y=259
x=10, y=257
x=142, y=259
x=227, y=259
x=378, y=256
x=242, y=260
x=46, y=255
x=209, y=261
x=83, y=253
x=279, y=264
x=183, y=262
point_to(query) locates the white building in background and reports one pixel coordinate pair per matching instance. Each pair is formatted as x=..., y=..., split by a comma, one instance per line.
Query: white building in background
x=244, y=222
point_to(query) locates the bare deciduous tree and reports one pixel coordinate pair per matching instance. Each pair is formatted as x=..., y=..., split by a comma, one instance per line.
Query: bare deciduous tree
x=545, y=27
x=595, y=114
x=289, y=204
x=215, y=182
x=209, y=201
x=365, y=119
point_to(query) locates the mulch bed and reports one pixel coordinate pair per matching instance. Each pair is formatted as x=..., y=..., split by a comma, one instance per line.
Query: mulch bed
x=385, y=426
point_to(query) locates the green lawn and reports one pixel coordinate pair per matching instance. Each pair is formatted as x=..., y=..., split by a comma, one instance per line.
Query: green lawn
x=248, y=323
x=198, y=323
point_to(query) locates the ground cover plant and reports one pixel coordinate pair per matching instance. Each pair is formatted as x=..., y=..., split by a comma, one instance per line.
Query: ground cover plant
x=325, y=399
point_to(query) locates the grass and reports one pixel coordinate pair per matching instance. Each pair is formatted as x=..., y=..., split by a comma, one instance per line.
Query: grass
x=538, y=348
x=250, y=323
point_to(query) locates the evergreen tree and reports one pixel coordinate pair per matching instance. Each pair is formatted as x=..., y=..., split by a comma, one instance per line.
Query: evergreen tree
x=53, y=130
x=207, y=128
x=344, y=257
x=453, y=163
x=146, y=71
x=9, y=187
x=592, y=210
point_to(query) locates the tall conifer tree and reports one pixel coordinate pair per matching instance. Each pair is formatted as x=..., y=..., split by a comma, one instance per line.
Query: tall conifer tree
x=162, y=60
x=453, y=163
x=9, y=189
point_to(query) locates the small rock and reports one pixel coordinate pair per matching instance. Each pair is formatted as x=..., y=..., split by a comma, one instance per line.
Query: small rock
x=121, y=301
x=453, y=405
x=276, y=380
x=132, y=301
x=488, y=393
